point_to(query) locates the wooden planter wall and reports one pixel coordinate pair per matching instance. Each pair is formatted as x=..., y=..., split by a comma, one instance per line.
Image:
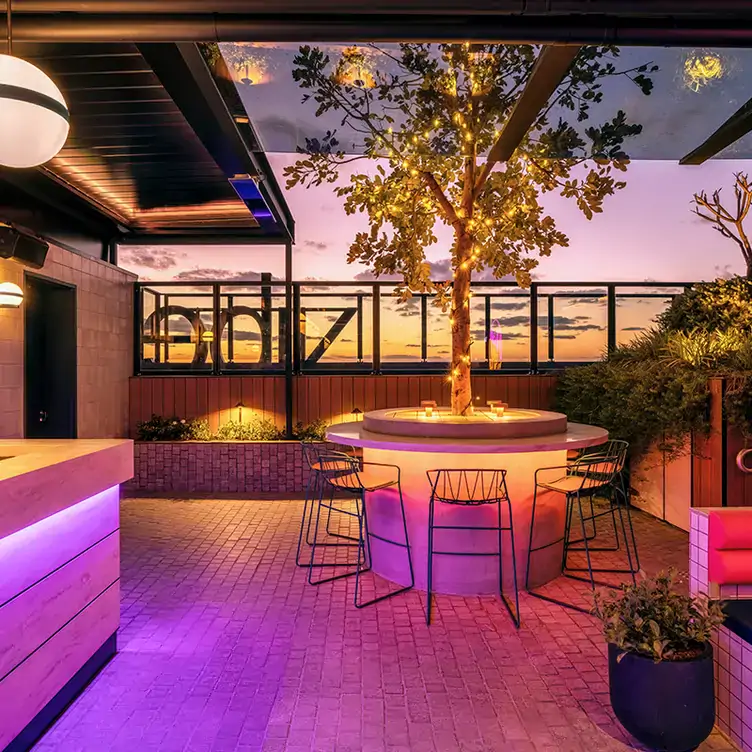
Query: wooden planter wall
x=330, y=398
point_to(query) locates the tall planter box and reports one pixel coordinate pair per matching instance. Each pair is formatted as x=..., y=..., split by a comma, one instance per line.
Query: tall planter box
x=206, y=467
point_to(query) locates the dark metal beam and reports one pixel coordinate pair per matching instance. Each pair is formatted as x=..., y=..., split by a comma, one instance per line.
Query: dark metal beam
x=733, y=29
x=646, y=8
x=738, y=125
x=213, y=236
x=549, y=70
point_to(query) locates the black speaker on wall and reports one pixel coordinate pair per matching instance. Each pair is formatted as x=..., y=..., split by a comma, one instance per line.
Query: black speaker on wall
x=25, y=249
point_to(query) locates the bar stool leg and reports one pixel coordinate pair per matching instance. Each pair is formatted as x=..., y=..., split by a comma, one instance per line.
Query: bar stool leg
x=585, y=543
x=306, y=519
x=429, y=581
x=530, y=542
x=515, y=614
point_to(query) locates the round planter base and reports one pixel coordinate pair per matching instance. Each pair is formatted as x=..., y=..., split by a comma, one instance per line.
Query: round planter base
x=668, y=706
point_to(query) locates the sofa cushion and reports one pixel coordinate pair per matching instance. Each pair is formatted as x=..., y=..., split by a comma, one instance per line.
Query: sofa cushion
x=730, y=567
x=739, y=618
x=730, y=529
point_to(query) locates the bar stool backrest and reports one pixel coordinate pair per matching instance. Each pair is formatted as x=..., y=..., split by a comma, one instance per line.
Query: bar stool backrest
x=601, y=467
x=468, y=486
x=312, y=451
x=341, y=471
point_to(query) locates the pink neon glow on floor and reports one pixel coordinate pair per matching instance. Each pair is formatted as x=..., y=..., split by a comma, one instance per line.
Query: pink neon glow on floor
x=225, y=648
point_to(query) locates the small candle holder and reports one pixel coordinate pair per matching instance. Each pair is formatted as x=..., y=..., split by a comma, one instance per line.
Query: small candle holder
x=497, y=408
x=428, y=406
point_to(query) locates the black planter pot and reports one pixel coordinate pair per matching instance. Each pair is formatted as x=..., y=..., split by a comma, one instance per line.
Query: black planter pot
x=668, y=706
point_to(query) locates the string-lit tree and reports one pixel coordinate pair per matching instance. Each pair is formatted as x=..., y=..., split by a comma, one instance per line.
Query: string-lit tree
x=431, y=115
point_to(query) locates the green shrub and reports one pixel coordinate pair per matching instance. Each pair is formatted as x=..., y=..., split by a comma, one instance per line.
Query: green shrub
x=158, y=428
x=651, y=619
x=315, y=431
x=256, y=429
x=642, y=402
x=711, y=306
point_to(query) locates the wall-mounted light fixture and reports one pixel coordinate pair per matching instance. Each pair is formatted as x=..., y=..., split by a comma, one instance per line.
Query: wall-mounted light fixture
x=357, y=414
x=240, y=407
x=11, y=295
x=34, y=118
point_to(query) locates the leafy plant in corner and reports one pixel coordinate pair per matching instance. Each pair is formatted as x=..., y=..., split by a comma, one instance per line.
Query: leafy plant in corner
x=651, y=619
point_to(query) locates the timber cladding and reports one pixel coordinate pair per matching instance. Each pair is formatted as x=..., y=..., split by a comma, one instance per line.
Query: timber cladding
x=329, y=398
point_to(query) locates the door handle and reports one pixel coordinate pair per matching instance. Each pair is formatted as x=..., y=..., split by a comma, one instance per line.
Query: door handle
x=42, y=416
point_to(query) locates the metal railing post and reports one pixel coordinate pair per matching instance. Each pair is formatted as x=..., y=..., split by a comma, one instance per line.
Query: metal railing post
x=376, y=329
x=216, y=333
x=534, y=328
x=611, y=325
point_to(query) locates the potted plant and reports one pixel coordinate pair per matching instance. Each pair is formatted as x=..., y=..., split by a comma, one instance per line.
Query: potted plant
x=660, y=662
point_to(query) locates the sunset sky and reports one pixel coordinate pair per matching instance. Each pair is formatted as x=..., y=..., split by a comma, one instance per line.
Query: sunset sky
x=646, y=233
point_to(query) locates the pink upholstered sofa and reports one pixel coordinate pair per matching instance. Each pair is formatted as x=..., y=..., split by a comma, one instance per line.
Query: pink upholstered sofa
x=720, y=549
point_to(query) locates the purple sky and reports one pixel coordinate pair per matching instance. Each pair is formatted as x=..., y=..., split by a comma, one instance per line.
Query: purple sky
x=646, y=231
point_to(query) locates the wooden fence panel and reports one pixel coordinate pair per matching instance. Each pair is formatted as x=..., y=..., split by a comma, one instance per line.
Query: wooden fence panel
x=327, y=397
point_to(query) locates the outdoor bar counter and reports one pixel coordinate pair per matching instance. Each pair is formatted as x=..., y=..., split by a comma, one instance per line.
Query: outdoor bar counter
x=59, y=574
x=520, y=442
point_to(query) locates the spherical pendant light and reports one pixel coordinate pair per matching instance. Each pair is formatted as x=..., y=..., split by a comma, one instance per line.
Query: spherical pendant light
x=34, y=120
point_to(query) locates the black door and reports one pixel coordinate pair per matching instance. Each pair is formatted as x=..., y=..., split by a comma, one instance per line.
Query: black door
x=50, y=359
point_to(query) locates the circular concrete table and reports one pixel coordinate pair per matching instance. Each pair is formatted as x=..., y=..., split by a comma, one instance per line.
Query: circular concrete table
x=520, y=456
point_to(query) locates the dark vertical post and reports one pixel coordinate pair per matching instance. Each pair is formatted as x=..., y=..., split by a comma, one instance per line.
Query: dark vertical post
x=266, y=317
x=112, y=251
x=289, y=386
x=230, y=329
x=376, y=329
x=534, y=328
x=424, y=327
x=167, y=329
x=551, y=328
x=295, y=326
x=611, y=326
x=216, y=343
x=487, y=329
x=156, y=328
x=360, y=327
x=138, y=328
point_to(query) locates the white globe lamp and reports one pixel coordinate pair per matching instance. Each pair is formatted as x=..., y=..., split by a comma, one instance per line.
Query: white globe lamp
x=34, y=119
x=11, y=295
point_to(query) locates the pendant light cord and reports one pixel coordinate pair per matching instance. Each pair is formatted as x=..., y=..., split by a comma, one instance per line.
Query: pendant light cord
x=10, y=26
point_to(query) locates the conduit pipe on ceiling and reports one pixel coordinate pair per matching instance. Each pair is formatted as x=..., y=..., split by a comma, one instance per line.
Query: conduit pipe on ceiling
x=71, y=27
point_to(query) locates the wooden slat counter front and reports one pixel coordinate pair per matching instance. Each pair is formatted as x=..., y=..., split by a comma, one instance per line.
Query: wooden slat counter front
x=59, y=575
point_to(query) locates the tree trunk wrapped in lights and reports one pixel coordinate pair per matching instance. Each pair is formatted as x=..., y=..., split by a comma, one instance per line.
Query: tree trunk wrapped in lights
x=434, y=118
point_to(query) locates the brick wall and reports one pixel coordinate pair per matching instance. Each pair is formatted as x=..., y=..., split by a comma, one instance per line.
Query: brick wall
x=104, y=297
x=185, y=467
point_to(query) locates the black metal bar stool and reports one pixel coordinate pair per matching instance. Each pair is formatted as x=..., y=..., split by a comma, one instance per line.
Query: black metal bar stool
x=357, y=478
x=314, y=489
x=617, y=497
x=472, y=488
x=589, y=475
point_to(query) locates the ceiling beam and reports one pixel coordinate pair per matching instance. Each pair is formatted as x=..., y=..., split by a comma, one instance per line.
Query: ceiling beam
x=548, y=72
x=653, y=8
x=719, y=30
x=183, y=72
x=738, y=125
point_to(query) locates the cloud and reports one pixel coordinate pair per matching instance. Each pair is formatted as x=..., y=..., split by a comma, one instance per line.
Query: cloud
x=440, y=271
x=633, y=329
x=512, y=305
x=246, y=336
x=315, y=245
x=222, y=275
x=411, y=344
x=151, y=257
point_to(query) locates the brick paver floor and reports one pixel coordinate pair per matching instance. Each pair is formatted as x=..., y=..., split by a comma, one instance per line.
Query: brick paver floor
x=225, y=648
